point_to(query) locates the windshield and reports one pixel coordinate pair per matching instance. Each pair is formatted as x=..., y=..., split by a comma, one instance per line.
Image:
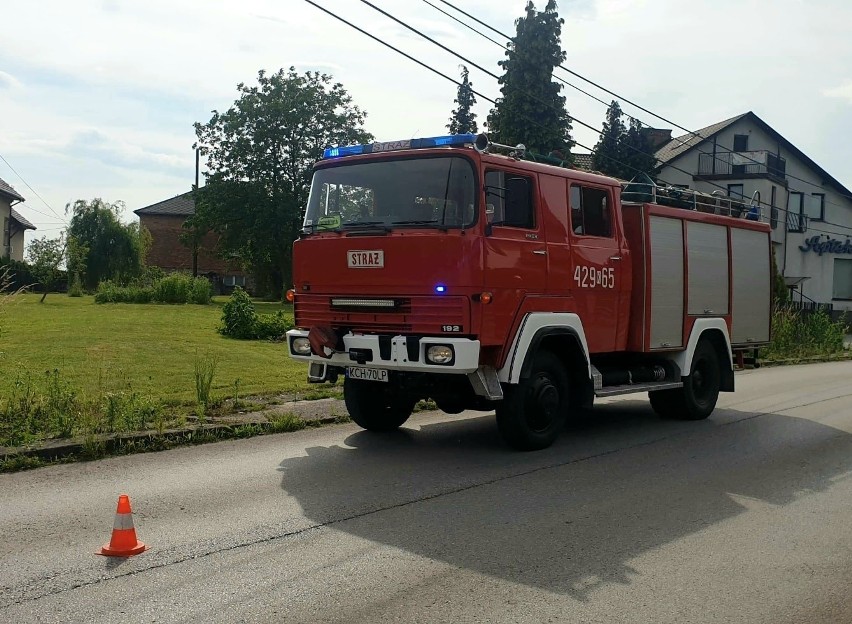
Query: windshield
x=426, y=192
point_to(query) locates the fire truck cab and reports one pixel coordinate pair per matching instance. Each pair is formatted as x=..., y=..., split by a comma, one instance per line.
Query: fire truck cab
x=437, y=268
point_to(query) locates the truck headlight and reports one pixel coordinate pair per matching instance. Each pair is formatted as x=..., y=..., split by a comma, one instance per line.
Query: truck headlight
x=300, y=346
x=440, y=354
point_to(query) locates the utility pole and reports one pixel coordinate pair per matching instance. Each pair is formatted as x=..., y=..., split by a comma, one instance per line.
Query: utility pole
x=194, y=229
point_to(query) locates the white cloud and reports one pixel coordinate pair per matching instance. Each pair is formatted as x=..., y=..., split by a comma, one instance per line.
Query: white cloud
x=844, y=91
x=106, y=108
x=8, y=81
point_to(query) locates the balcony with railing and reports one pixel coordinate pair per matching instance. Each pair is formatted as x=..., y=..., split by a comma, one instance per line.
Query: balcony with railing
x=738, y=165
x=797, y=223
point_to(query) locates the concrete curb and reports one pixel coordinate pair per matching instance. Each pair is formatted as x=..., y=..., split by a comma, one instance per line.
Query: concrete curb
x=318, y=412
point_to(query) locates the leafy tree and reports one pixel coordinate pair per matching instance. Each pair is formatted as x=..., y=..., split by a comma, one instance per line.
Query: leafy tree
x=637, y=151
x=463, y=119
x=114, y=250
x=531, y=110
x=608, y=156
x=194, y=231
x=259, y=157
x=45, y=255
x=75, y=255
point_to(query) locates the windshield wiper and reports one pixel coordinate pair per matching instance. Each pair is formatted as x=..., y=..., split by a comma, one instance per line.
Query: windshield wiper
x=359, y=223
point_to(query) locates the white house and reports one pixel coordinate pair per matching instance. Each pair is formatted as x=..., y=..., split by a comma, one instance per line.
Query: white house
x=810, y=211
x=14, y=225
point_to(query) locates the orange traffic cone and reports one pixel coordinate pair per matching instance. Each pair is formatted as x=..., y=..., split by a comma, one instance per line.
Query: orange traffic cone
x=123, y=542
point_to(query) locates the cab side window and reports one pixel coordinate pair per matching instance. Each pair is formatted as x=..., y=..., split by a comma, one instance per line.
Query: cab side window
x=590, y=211
x=509, y=199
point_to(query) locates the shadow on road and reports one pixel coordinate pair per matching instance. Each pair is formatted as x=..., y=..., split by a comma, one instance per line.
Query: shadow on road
x=570, y=518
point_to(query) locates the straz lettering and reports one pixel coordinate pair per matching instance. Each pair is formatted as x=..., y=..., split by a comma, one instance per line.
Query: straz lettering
x=594, y=277
x=366, y=259
x=391, y=145
x=830, y=245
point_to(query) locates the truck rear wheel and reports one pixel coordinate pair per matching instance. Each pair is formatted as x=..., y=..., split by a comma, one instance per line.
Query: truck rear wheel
x=374, y=406
x=696, y=400
x=533, y=413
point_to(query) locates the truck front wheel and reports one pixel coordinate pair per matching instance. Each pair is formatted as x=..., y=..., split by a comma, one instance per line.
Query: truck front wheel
x=696, y=400
x=533, y=413
x=374, y=406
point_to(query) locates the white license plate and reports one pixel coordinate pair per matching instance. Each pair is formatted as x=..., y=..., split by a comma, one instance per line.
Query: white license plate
x=367, y=374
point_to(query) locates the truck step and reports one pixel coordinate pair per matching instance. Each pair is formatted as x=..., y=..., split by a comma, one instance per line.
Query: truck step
x=608, y=391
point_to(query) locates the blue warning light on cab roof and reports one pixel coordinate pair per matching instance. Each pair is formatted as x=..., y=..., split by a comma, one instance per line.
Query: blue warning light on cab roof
x=389, y=146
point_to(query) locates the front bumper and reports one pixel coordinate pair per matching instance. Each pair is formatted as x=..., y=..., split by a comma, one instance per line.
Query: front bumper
x=397, y=353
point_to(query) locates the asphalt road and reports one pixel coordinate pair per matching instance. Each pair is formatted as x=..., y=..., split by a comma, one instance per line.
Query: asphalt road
x=746, y=517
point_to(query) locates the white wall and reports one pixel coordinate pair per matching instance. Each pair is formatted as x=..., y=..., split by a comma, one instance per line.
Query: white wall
x=791, y=260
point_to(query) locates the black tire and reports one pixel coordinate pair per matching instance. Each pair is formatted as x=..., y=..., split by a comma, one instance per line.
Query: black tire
x=696, y=400
x=374, y=406
x=533, y=413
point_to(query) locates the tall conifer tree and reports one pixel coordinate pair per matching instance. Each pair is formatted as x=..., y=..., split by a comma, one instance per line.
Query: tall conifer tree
x=463, y=119
x=532, y=110
x=637, y=150
x=608, y=156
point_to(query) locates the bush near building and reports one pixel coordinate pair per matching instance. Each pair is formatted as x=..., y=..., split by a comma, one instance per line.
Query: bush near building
x=174, y=288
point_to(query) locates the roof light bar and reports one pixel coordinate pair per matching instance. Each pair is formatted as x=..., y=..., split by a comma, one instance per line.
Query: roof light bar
x=388, y=146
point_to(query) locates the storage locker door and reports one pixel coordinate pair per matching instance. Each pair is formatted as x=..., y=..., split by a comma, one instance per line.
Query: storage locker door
x=751, y=282
x=707, y=253
x=666, y=282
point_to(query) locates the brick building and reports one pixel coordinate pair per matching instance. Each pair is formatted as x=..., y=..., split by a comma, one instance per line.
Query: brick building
x=164, y=220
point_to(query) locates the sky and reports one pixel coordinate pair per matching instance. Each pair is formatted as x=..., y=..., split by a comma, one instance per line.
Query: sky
x=98, y=97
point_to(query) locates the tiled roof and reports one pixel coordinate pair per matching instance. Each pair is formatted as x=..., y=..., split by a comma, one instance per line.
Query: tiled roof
x=17, y=217
x=6, y=189
x=583, y=161
x=180, y=205
x=681, y=144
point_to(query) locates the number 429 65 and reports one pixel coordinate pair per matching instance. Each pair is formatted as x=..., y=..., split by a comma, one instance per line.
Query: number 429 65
x=594, y=277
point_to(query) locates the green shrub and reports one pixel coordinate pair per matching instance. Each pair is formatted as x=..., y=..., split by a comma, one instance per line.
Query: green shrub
x=200, y=291
x=240, y=320
x=796, y=334
x=272, y=326
x=238, y=316
x=173, y=288
x=75, y=289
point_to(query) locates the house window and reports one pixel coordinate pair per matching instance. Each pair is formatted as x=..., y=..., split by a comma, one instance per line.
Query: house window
x=5, y=231
x=815, y=206
x=740, y=142
x=590, y=212
x=509, y=200
x=795, y=206
x=736, y=190
x=795, y=203
x=842, y=279
x=234, y=280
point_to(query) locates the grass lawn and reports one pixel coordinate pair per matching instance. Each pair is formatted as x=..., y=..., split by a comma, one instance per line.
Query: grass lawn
x=150, y=349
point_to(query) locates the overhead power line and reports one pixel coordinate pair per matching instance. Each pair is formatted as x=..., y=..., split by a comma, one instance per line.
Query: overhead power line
x=579, y=121
x=56, y=214
x=492, y=101
x=628, y=101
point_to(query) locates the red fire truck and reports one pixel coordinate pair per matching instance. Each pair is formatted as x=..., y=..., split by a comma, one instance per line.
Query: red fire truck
x=460, y=270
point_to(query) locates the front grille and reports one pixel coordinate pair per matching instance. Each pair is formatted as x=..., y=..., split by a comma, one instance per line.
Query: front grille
x=411, y=314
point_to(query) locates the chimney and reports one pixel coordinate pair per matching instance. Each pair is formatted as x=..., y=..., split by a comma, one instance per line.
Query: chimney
x=657, y=137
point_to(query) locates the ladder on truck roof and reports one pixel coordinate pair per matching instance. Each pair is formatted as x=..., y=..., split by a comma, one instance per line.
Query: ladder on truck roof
x=645, y=190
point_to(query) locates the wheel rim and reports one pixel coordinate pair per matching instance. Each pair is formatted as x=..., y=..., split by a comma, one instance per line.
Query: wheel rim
x=702, y=384
x=542, y=404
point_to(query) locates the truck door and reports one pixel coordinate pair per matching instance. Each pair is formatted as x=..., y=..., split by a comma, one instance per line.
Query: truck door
x=600, y=266
x=515, y=256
